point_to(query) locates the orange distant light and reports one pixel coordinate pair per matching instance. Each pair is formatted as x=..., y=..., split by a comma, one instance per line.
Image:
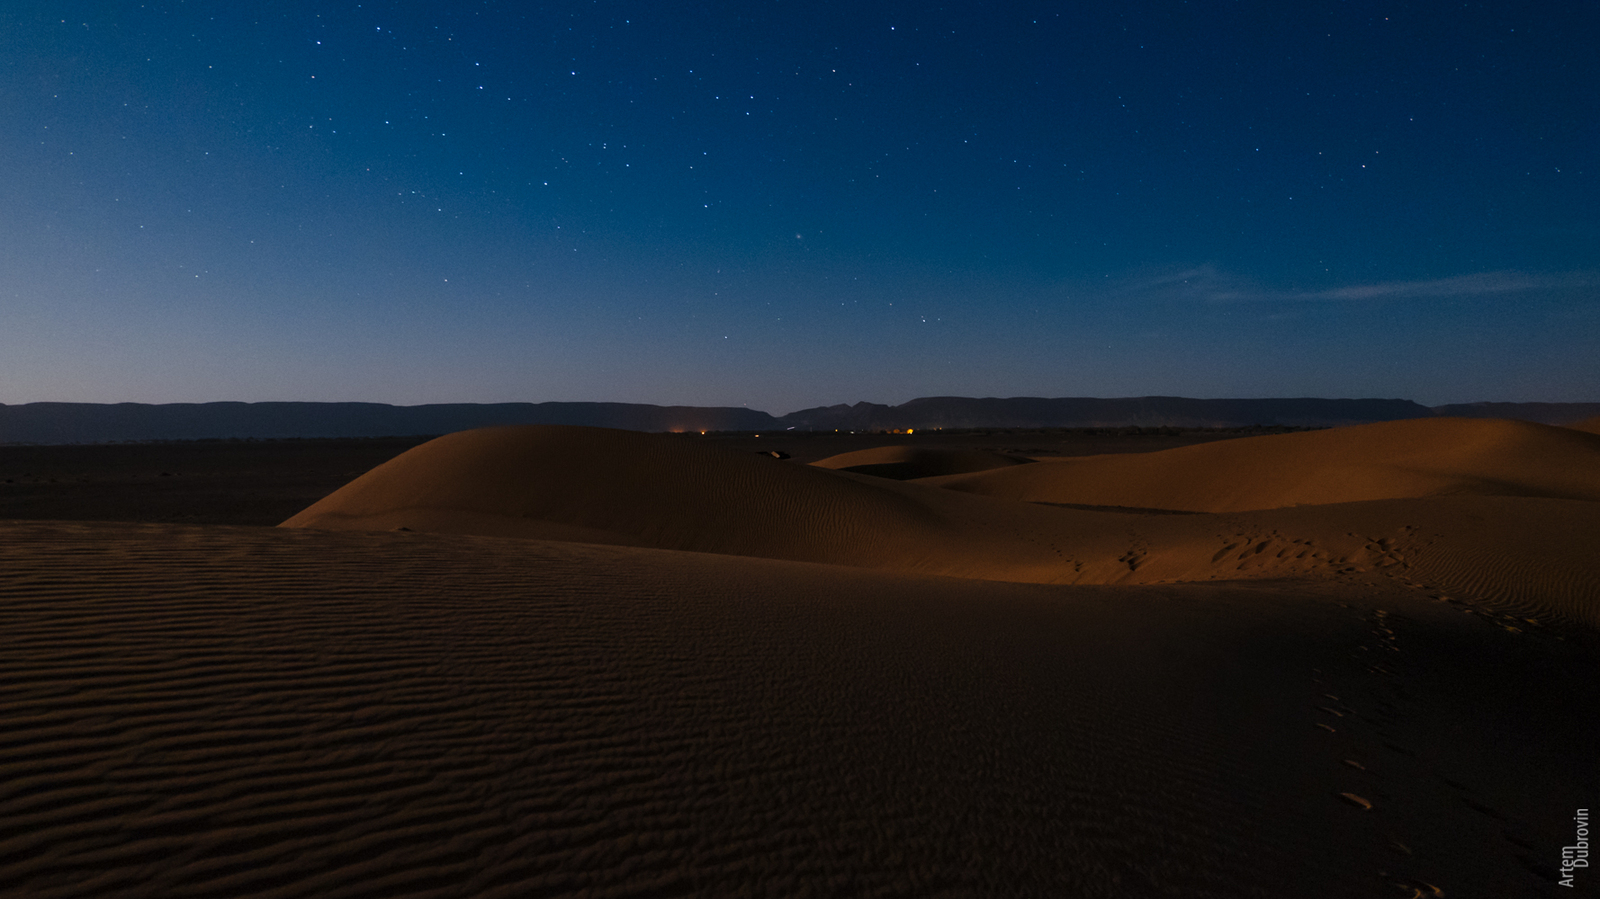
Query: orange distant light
x=911, y=430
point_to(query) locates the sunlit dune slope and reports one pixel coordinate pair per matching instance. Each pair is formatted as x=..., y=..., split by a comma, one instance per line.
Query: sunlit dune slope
x=907, y=462
x=1530, y=554
x=1388, y=460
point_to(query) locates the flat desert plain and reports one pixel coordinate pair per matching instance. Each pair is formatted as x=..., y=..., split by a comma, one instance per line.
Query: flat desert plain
x=546, y=661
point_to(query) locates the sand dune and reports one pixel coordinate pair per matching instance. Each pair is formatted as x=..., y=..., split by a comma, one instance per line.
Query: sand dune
x=1527, y=556
x=1522, y=553
x=579, y=662
x=1588, y=425
x=596, y=485
x=209, y=711
x=907, y=462
x=1389, y=460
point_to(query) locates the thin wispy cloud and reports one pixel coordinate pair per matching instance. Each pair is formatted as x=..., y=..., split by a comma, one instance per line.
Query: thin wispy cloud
x=1193, y=278
x=1456, y=287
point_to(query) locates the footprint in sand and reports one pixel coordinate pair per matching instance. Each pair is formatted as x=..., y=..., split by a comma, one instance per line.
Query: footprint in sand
x=1356, y=801
x=1420, y=889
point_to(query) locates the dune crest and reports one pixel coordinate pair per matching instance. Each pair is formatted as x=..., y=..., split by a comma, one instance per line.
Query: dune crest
x=1388, y=460
x=1588, y=425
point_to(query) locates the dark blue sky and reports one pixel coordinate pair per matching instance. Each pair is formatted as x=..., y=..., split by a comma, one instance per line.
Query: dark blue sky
x=785, y=204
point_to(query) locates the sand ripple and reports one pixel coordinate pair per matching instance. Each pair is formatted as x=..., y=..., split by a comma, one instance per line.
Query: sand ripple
x=266, y=712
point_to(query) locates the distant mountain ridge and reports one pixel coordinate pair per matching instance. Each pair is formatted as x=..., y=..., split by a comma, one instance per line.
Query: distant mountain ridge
x=1087, y=412
x=63, y=423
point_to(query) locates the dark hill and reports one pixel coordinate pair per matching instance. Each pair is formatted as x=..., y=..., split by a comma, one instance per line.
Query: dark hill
x=52, y=423
x=1543, y=413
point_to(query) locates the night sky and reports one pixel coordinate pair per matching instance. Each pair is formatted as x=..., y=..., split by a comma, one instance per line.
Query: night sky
x=783, y=204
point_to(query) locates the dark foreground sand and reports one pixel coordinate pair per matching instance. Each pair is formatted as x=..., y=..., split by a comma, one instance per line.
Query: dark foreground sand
x=242, y=711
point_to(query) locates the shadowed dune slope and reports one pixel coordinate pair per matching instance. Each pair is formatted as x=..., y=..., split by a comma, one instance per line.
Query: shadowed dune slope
x=1389, y=460
x=908, y=462
x=250, y=712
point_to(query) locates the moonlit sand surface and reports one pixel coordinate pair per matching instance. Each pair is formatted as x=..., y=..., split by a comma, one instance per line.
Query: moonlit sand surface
x=570, y=661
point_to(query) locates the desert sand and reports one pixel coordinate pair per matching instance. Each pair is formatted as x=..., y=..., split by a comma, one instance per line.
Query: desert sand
x=1391, y=460
x=1588, y=425
x=903, y=463
x=571, y=661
